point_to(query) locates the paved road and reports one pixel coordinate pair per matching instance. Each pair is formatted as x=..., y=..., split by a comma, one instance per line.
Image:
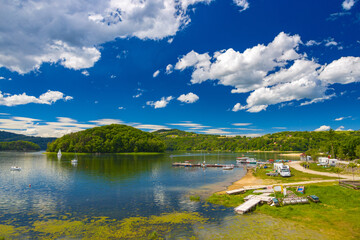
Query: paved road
x=297, y=166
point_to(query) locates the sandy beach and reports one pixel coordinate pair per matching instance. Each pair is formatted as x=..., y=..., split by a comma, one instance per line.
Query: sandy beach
x=290, y=154
x=248, y=180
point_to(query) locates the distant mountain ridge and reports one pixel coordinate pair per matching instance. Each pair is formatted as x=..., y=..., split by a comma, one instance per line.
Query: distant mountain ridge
x=11, y=137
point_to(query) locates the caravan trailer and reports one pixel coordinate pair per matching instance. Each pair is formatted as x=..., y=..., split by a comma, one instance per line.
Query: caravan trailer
x=333, y=162
x=323, y=161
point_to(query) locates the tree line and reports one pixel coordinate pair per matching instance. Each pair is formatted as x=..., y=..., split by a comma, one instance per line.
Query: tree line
x=19, y=146
x=114, y=138
x=340, y=144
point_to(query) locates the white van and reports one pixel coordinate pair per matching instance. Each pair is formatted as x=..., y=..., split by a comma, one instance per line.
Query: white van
x=282, y=169
x=323, y=161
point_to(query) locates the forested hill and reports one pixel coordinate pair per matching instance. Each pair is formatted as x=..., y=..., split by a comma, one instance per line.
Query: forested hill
x=11, y=137
x=343, y=144
x=19, y=146
x=114, y=138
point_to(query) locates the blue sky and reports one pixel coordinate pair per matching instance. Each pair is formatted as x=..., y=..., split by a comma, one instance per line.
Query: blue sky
x=230, y=67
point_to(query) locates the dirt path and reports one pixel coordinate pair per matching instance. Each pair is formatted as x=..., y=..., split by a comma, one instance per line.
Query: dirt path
x=297, y=166
x=249, y=180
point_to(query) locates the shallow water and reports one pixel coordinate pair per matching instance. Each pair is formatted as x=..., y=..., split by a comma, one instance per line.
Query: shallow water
x=118, y=187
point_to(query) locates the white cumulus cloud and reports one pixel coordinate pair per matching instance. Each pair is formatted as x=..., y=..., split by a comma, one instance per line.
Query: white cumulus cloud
x=169, y=69
x=348, y=4
x=21, y=99
x=85, y=73
x=163, y=102
x=344, y=71
x=70, y=33
x=188, y=98
x=322, y=128
x=272, y=74
x=243, y=4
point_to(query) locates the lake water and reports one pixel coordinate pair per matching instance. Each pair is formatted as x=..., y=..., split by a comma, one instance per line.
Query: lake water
x=120, y=187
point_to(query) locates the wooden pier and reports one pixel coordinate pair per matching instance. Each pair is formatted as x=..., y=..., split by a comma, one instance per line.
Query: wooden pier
x=252, y=201
x=247, y=206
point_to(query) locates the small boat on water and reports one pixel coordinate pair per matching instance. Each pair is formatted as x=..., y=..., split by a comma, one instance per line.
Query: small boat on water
x=246, y=160
x=59, y=154
x=75, y=160
x=241, y=159
x=228, y=167
x=15, y=168
x=251, y=161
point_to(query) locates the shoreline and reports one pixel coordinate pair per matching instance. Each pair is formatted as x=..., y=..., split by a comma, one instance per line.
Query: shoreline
x=247, y=180
x=123, y=153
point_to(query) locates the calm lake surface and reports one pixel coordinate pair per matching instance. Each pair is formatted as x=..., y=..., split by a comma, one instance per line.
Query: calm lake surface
x=123, y=186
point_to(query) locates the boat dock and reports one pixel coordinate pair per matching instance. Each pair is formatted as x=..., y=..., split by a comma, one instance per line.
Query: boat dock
x=247, y=206
x=187, y=164
x=252, y=201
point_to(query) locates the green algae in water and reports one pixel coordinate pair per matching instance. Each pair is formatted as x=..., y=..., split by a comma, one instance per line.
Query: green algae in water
x=255, y=226
x=105, y=228
x=7, y=231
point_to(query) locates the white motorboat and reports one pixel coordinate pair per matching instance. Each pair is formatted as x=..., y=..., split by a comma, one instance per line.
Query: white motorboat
x=228, y=167
x=251, y=161
x=242, y=159
x=15, y=168
x=75, y=160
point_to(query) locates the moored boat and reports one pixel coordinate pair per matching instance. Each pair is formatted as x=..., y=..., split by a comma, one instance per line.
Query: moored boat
x=228, y=167
x=15, y=168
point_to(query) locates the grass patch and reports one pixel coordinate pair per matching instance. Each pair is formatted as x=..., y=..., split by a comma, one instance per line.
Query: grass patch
x=67, y=153
x=315, y=167
x=228, y=200
x=296, y=176
x=337, y=214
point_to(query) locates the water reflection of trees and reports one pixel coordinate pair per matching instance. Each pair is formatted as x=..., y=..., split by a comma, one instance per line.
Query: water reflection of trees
x=113, y=167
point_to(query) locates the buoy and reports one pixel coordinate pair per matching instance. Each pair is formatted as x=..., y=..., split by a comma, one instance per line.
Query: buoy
x=29, y=185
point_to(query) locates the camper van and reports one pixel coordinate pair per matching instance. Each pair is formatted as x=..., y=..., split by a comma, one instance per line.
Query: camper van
x=282, y=169
x=323, y=161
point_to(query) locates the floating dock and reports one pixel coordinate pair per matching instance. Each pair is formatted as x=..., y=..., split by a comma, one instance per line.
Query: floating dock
x=252, y=201
x=236, y=191
x=247, y=206
x=180, y=164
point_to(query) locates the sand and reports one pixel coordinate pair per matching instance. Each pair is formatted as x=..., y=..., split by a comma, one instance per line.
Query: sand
x=290, y=154
x=248, y=180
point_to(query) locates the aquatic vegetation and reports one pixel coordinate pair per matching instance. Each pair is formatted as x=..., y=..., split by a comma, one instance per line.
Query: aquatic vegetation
x=256, y=226
x=7, y=231
x=195, y=198
x=153, y=227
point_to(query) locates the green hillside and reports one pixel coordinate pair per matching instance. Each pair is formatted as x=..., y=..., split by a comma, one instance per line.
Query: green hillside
x=11, y=137
x=19, y=146
x=113, y=138
x=343, y=144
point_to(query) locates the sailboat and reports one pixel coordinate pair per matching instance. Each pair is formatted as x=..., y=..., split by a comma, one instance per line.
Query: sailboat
x=75, y=160
x=59, y=153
